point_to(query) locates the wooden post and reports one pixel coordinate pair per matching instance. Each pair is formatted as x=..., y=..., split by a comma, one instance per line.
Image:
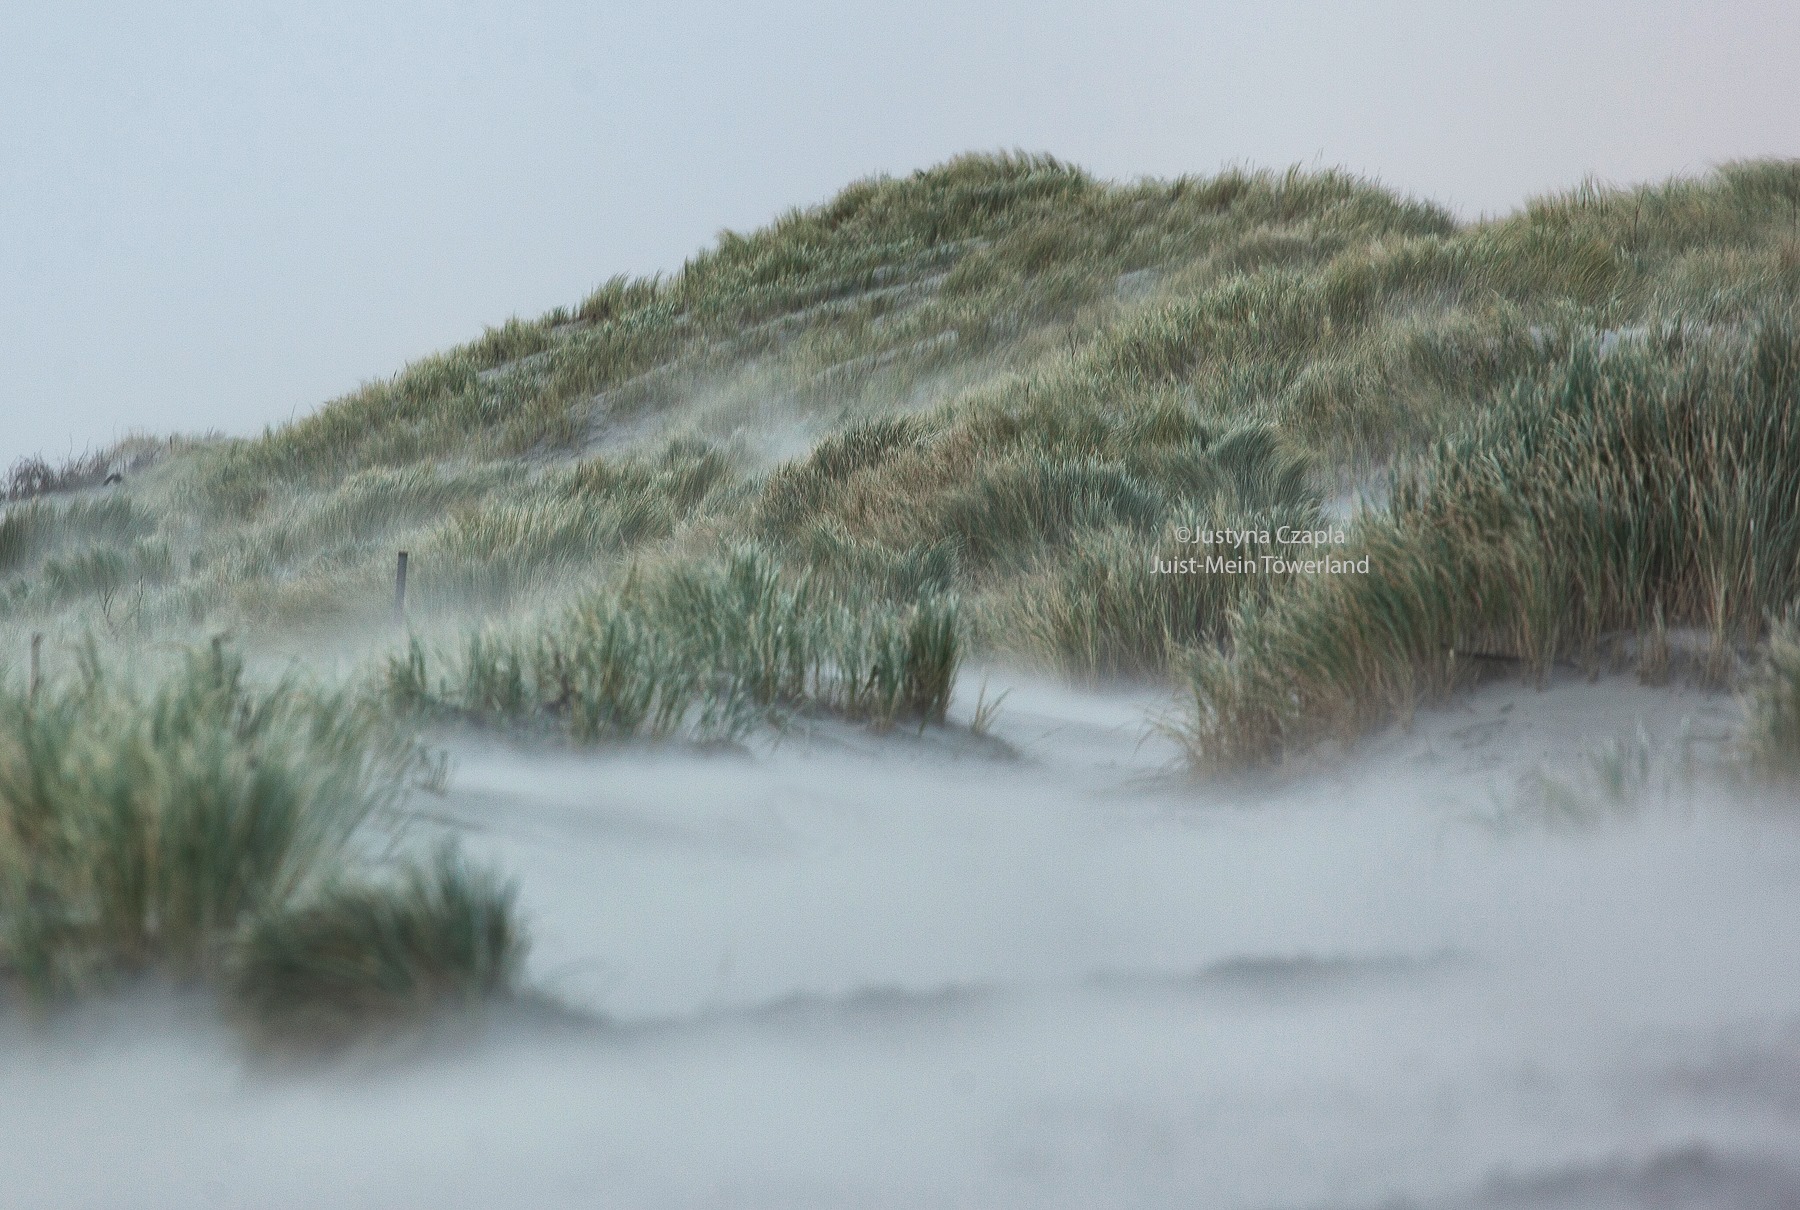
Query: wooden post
x=400, y=591
x=37, y=668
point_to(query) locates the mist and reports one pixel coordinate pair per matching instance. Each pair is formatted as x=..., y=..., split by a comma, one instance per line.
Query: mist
x=1034, y=969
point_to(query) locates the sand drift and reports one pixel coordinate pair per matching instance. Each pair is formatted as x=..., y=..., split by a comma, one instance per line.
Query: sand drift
x=1491, y=962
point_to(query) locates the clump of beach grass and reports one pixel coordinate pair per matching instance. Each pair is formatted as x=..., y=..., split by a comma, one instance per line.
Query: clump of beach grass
x=31, y=477
x=434, y=937
x=1652, y=484
x=699, y=652
x=175, y=824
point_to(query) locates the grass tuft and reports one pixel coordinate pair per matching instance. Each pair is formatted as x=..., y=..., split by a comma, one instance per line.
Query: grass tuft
x=438, y=937
x=701, y=652
x=158, y=824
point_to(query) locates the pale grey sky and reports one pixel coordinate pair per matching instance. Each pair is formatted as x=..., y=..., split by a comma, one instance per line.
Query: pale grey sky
x=217, y=215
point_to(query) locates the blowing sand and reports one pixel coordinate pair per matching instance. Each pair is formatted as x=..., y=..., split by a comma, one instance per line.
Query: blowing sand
x=1534, y=952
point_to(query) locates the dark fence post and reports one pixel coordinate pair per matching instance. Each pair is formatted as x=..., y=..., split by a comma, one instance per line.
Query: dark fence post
x=400, y=591
x=37, y=668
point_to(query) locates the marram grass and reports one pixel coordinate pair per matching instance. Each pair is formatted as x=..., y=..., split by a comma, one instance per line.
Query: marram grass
x=380, y=955
x=1003, y=381
x=700, y=652
x=1654, y=484
x=994, y=360
x=198, y=828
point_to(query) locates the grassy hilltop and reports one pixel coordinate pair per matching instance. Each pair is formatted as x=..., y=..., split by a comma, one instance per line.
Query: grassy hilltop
x=960, y=411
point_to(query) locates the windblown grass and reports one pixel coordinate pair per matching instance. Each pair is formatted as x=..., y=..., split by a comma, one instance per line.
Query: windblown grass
x=1660, y=481
x=32, y=476
x=1111, y=604
x=193, y=826
x=698, y=652
x=435, y=937
x=1049, y=511
x=986, y=248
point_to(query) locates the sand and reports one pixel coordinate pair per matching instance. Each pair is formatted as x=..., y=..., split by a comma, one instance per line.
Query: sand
x=1536, y=950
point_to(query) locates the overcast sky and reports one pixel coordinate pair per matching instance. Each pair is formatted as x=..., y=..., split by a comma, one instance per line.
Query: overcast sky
x=216, y=216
